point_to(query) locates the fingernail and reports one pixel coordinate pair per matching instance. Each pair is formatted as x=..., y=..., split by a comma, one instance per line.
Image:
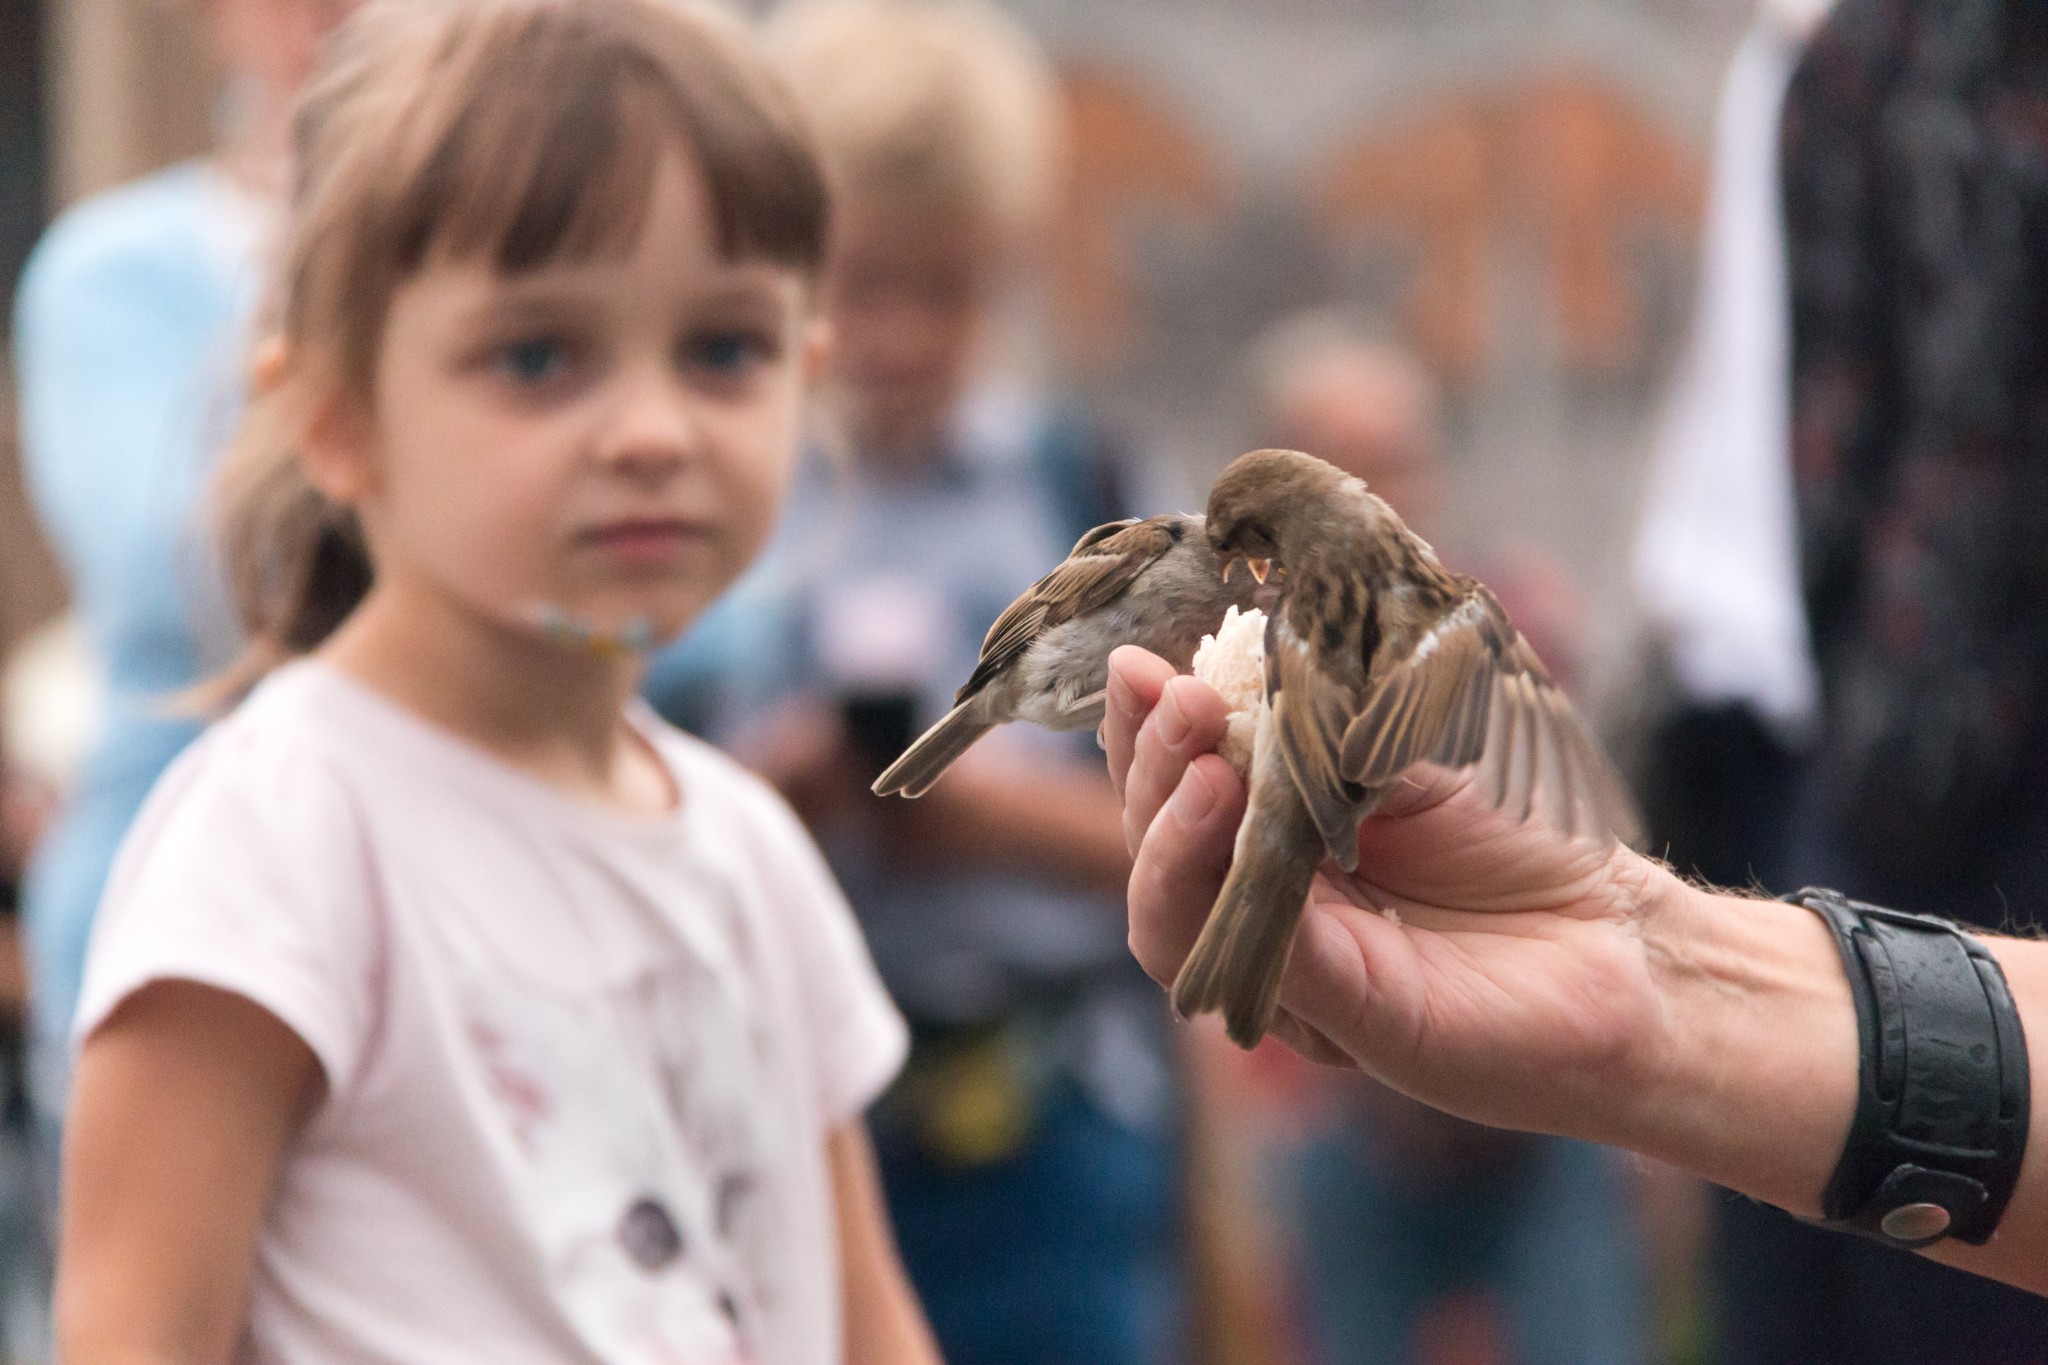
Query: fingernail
x=1173, y=726
x=1123, y=698
x=1193, y=799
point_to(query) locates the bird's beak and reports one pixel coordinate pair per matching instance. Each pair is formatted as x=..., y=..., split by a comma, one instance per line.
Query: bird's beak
x=1261, y=569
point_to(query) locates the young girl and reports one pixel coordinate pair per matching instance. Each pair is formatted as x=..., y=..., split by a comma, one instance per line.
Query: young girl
x=444, y=1006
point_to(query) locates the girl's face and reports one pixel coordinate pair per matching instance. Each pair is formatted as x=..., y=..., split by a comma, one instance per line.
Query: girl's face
x=608, y=438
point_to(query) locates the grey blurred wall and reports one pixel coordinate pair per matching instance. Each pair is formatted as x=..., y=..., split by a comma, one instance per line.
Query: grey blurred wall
x=1448, y=169
x=1546, y=156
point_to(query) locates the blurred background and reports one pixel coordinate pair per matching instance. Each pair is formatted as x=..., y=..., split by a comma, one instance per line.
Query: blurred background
x=1454, y=244
x=1513, y=188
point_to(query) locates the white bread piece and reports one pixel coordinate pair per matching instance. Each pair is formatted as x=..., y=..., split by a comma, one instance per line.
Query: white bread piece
x=1233, y=661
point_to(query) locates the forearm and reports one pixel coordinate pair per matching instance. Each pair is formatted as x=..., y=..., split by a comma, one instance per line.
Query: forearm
x=884, y=1324
x=1753, y=1084
x=1752, y=1079
x=158, y=1238
x=2018, y=1252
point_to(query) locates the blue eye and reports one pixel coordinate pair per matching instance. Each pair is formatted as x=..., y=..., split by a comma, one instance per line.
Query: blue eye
x=532, y=360
x=726, y=353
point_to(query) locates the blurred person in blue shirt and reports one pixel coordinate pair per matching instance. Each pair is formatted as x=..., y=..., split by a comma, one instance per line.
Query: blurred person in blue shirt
x=129, y=328
x=1029, y=1153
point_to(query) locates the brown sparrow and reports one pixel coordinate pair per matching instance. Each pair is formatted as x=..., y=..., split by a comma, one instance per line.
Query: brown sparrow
x=1153, y=583
x=1377, y=658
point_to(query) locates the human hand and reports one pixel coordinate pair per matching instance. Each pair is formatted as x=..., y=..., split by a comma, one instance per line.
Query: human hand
x=803, y=751
x=1540, y=983
x=1514, y=981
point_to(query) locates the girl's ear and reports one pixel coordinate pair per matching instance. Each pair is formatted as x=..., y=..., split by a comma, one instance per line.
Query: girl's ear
x=817, y=354
x=337, y=452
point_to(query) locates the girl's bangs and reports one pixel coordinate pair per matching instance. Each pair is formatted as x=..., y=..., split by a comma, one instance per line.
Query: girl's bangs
x=553, y=154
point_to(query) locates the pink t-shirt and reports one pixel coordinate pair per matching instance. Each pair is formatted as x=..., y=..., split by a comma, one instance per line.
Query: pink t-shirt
x=581, y=1066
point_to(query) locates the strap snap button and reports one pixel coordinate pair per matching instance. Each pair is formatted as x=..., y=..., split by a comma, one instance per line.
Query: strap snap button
x=1915, y=1222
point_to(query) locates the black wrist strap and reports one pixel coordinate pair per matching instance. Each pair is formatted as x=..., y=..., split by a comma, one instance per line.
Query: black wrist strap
x=1942, y=1090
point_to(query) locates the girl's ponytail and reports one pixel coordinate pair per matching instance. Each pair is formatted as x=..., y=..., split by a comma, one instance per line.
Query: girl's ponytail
x=295, y=563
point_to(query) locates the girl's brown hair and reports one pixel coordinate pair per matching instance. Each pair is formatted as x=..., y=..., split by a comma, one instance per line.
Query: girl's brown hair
x=517, y=132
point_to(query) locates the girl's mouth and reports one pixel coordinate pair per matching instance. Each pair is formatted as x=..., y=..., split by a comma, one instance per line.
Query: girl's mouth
x=648, y=541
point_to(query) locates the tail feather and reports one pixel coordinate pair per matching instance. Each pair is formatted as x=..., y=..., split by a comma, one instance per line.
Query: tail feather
x=1242, y=952
x=1239, y=959
x=927, y=759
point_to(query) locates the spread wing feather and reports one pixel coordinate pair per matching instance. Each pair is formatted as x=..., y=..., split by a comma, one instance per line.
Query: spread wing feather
x=1425, y=709
x=1524, y=758
x=1102, y=565
x=1474, y=692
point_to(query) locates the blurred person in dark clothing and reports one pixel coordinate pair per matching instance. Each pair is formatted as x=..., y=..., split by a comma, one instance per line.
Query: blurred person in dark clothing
x=1029, y=1152
x=1916, y=194
x=1916, y=211
x=1716, y=559
x=1424, y=1237
x=1914, y=183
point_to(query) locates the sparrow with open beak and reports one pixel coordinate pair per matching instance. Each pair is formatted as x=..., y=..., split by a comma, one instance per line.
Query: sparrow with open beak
x=1377, y=658
x=1153, y=583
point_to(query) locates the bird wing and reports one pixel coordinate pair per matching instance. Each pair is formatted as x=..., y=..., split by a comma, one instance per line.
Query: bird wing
x=1101, y=566
x=1311, y=709
x=1471, y=692
x=1090, y=539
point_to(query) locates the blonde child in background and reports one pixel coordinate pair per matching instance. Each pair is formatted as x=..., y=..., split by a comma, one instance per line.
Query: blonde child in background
x=1031, y=1151
x=444, y=1005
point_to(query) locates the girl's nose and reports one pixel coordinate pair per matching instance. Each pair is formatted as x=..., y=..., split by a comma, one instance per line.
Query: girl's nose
x=654, y=428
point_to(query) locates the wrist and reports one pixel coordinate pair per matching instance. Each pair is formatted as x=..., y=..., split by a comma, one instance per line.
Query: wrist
x=1751, y=1077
